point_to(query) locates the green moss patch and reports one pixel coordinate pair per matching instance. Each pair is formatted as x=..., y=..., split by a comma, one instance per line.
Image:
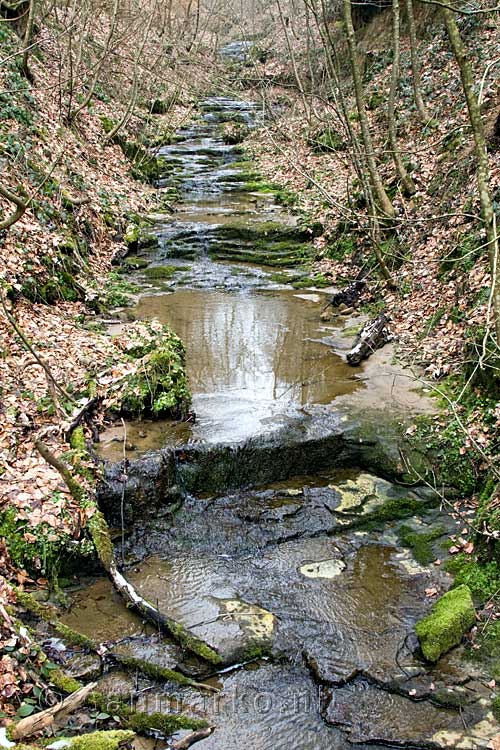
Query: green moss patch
x=144, y=723
x=104, y=740
x=483, y=579
x=327, y=140
x=450, y=618
x=161, y=272
x=134, y=263
x=158, y=385
x=420, y=543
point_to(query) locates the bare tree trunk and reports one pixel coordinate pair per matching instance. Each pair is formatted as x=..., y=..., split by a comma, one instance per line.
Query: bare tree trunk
x=376, y=181
x=407, y=182
x=357, y=154
x=415, y=64
x=20, y=207
x=135, y=85
x=90, y=93
x=483, y=172
x=298, y=79
x=27, y=39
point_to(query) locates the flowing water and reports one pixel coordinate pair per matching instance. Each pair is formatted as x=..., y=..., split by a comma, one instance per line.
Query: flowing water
x=302, y=585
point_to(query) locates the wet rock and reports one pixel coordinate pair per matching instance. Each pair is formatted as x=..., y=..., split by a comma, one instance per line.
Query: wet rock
x=305, y=446
x=82, y=666
x=370, y=715
x=323, y=568
x=154, y=655
x=450, y=618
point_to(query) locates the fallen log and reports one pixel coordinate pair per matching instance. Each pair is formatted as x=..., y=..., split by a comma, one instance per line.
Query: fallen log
x=40, y=721
x=101, y=537
x=165, y=623
x=374, y=335
x=348, y=296
x=190, y=739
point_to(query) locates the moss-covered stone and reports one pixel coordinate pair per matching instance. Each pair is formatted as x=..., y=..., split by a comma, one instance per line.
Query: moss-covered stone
x=327, y=140
x=131, y=236
x=450, y=617
x=134, y=263
x=160, y=272
x=158, y=387
x=102, y=740
x=420, y=543
x=64, y=682
x=235, y=132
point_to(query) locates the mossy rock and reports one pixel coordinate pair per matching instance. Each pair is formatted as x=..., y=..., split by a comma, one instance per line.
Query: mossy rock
x=103, y=740
x=131, y=236
x=160, y=272
x=147, y=239
x=134, y=263
x=159, y=387
x=235, y=132
x=450, y=618
x=420, y=542
x=266, y=230
x=77, y=440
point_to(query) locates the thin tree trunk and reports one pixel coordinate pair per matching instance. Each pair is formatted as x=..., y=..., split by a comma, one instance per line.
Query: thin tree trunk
x=107, y=45
x=20, y=207
x=295, y=69
x=27, y=39
x=358, y=157
x=376, y=181
x=415, y=64
x=407, y=182
x=483, y=172
x=135, y=84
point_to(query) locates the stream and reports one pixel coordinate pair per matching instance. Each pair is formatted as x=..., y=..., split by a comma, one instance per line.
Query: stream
x=271, y=525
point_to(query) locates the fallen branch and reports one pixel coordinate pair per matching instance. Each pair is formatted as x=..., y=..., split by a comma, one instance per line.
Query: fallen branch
x=190, y=739
x=40, y=721
x=349, y=295
x=82, y=414
x=99, y=531
x=75, y=488
x=153, y=615
x=374, y=335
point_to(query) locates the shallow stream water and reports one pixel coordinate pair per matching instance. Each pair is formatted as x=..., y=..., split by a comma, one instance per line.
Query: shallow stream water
x=287, y=579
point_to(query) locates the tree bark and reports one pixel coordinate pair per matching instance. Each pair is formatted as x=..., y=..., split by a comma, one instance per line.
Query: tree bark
x=298, y=79
x=483, y=172
x=27, y=39
x=407, y=182
x=378, y=187
x=20, y=207
x=415, y=64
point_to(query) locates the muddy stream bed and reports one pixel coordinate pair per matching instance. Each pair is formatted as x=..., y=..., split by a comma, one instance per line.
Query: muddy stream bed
x=274, y=525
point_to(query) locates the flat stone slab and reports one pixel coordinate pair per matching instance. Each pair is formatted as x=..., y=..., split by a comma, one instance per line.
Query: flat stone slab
x=371, y=715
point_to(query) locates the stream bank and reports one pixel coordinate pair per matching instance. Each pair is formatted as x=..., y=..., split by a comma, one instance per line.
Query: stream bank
x=276, y=526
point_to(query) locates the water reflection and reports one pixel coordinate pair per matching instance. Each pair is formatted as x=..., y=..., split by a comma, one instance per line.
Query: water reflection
x=252, y=358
